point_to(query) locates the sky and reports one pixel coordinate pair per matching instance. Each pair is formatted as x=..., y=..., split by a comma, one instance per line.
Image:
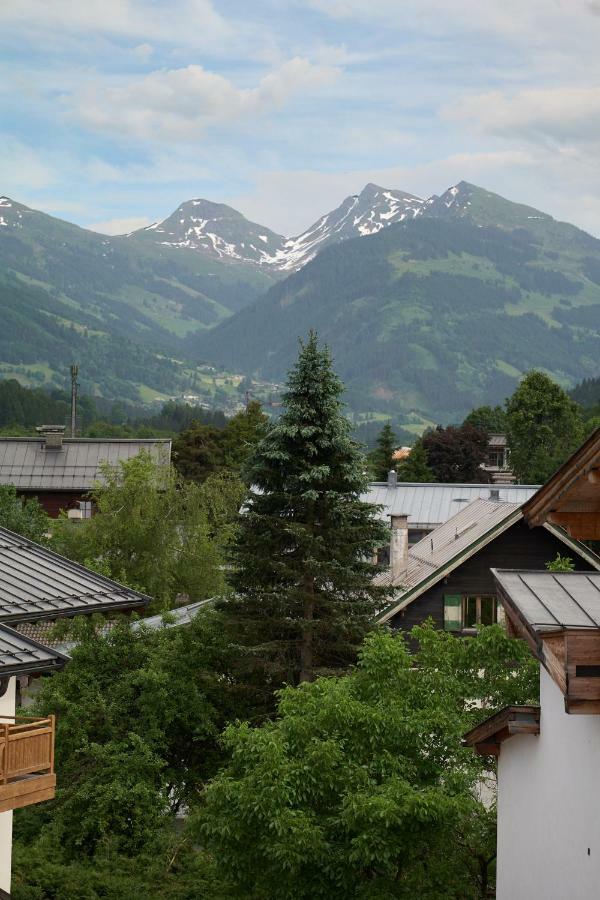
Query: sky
x=113, y=112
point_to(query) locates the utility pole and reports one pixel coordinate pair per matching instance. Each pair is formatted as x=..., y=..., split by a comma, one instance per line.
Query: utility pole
x=74, y=386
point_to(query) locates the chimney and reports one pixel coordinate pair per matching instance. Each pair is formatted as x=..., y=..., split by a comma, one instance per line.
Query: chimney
x=494, y=494
x=392, y=478
x=399, y=546
x=53, y=436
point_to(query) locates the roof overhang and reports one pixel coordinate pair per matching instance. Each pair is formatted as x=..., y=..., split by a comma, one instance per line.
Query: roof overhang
x=54, y=658
x=487, y=737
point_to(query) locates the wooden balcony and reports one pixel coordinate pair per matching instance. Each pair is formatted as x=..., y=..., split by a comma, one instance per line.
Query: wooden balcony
x=26, y=761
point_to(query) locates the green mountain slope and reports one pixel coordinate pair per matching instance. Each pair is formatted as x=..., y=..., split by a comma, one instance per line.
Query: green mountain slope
x=118, y=304
x=434, y=315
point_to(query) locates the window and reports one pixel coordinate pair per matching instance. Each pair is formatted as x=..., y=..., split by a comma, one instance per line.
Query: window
x=86, y=509
x=479, y=610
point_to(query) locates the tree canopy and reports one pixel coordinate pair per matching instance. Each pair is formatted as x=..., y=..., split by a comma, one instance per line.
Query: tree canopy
x=24, y=516
x=455, y=453
x=415, y=468
x=361, y=786
x=544, y=427
x=381, y=457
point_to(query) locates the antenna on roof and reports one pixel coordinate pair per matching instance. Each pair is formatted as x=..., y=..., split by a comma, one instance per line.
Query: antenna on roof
x=74, y=387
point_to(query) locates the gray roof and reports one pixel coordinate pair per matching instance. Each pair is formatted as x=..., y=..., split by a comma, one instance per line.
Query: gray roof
x=181, y=615
x=19, y=655
x=36, y=583
x=429, y=505
x=76, y=467
x=552, y=601
x=450, y=544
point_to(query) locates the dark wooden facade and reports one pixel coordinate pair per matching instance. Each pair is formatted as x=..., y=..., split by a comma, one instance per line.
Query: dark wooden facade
x=520, y=547
x=53, y=501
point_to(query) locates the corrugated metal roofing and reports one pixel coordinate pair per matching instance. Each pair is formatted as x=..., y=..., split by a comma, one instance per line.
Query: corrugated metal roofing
x=448, y=540
x=181, y=615
x=429, y=505
x=36, y=583
x=553, y=601
x=20, y=655
x=76, y=467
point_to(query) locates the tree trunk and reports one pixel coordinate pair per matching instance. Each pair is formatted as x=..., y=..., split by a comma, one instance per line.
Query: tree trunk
x=306, y=647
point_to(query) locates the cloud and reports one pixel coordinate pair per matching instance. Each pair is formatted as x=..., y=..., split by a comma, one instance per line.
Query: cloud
x=179, y=104
x=120, y=226
x=189, y=21
x=566, y=115
x=22, y=167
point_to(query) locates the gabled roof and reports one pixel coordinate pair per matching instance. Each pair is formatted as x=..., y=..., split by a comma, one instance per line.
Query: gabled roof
x=36, y=583
x=452, y=543
x=76, y=467
x=19, y=655
x=489, y=735
x=552, y=601
x=429, y=505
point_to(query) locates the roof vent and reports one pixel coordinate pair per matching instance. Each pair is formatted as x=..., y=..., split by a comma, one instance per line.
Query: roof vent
x=392, y=478
x=494, y=493
x=53, y=436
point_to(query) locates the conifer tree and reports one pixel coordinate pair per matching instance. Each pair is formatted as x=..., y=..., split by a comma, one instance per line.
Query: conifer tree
x=302, y=575
x=381, y=459
x=415, y=468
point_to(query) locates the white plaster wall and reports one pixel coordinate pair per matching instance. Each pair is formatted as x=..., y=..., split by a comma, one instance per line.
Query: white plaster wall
x=7, y=708
x=549, y=806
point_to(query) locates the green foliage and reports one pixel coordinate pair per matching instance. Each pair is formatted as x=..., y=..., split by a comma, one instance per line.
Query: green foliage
x=560, y=564
x=303, y=594
x=490, y=419
x=416, y=467
x=155, y=532
x=381, y=458
x=455, y=454
x=205, y=449
x=138, y=718
x=362, y=788
x=25, y=517
x=544, y=428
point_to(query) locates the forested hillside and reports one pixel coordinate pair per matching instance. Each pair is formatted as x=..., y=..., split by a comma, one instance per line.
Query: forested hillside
x=435, y=315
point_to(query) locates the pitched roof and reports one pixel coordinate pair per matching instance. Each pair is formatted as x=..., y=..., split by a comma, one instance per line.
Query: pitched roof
x=36, y=583
x=429, y=505
x=180, y=615
x=552, y=601
x=450, y=544
x=19, y=655
x=76, y=467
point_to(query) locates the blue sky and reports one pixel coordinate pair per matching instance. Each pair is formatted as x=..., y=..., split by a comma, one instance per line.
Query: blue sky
x=115, y=111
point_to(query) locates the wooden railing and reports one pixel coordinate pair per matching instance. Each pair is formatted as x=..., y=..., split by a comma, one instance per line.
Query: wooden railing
x=26, y=760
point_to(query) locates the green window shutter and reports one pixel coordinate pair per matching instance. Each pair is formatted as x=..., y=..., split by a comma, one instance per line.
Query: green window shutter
x=452, y=612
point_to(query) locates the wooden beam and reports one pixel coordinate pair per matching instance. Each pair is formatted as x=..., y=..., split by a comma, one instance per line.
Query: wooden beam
x=584, y=526
x=26, y=791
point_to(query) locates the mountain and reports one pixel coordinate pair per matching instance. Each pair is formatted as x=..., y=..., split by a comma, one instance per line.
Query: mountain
x=359, y=215
x=219, y=232
x=435, y=314
x=123, y=307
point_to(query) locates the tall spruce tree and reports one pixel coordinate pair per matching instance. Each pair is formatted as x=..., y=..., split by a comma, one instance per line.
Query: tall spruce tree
x=416, y=468
x=303, y=597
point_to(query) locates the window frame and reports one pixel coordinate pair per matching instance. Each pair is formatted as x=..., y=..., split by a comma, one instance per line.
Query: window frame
x=478, y=598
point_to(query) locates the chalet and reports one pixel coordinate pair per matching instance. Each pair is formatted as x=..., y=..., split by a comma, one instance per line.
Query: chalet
x=428, y=505
x=549, y=755
x=37, y=585
x=61, y=471
x=446, y=576
x=497, y=462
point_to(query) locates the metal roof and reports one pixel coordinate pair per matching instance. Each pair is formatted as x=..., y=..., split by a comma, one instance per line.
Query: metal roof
x=19, y=655
x=181, y=615
x=76, y=467
x=429, y=505
x=36, y=583
x=446, y=546
x=552, y=601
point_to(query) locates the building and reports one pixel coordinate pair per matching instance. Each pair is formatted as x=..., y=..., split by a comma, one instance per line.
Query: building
x=549, y=756
x=37, y=585
x=497, y=464
x=60, y=472
x=446, y=576
x=429, y=505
